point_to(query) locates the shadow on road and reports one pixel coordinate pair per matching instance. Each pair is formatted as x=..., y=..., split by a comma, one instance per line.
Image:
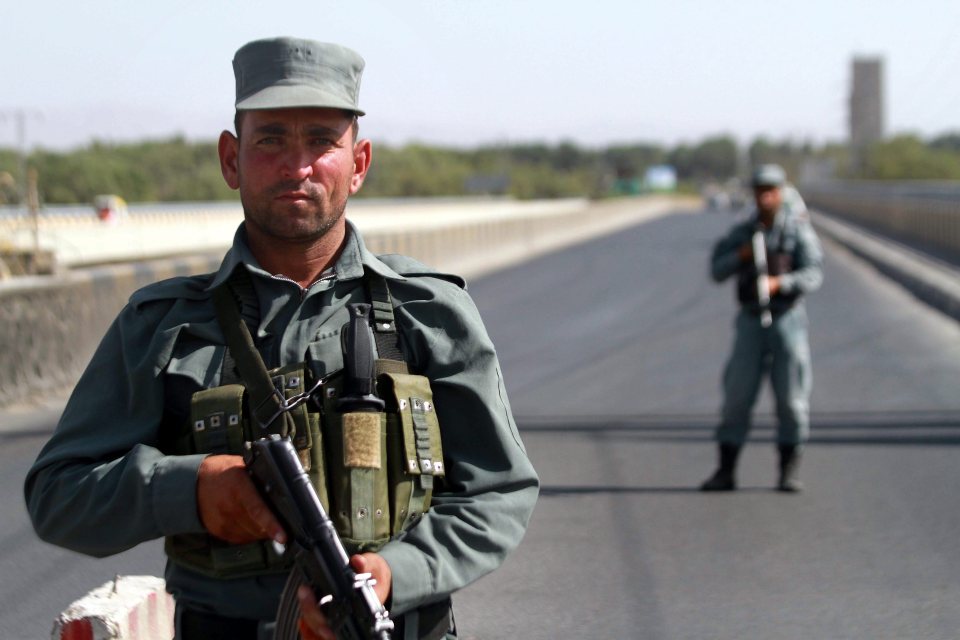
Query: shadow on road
x=548, y=491
x=25, y=434
x=561, y=490
x=863, y=428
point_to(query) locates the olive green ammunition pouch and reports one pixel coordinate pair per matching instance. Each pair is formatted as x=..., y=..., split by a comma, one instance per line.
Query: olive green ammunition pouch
x=381, y=466
x=373, y=472
x=220, y=424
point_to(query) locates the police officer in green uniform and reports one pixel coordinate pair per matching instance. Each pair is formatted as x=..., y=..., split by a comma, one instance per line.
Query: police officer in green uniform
x=771, y=330
x=148, y=445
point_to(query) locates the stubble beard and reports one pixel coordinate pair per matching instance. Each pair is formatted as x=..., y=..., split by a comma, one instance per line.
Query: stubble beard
x=279, y=225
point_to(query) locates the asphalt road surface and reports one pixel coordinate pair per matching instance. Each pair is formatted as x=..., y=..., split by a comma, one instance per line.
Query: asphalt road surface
x=612, y=352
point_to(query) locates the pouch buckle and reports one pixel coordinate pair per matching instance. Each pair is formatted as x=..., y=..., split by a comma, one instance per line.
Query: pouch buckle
x=287, y=404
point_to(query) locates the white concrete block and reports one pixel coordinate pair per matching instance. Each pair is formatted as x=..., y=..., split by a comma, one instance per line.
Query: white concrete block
x=126, y=608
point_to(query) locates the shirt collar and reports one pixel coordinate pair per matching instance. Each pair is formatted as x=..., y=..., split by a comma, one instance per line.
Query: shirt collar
x=353, y=260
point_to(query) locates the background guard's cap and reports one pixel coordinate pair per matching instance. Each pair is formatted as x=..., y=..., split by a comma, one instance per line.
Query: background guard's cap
x=768, y=175
x=282, y=73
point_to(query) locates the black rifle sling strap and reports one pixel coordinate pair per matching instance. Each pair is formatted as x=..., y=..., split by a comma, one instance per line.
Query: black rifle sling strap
x=266, y=402
x=390, y=356
x=241, y=286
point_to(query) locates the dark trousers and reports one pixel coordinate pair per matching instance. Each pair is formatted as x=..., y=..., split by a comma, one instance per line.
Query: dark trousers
x=199, y=625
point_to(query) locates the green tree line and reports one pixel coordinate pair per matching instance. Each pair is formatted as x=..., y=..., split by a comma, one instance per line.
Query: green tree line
x=180, y=170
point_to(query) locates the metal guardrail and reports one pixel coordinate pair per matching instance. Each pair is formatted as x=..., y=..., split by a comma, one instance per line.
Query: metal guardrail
x=927, y=212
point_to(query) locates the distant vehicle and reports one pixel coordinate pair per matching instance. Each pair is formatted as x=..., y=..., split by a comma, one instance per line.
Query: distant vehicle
x=716, y=197
x=110, y=208
x=719, y=200
x=740, y=198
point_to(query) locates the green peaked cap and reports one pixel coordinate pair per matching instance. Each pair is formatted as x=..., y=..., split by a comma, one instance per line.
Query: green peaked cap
x=768, y=175
x=284, y=73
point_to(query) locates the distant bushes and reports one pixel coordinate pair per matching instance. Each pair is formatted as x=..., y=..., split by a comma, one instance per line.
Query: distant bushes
x=179, y=170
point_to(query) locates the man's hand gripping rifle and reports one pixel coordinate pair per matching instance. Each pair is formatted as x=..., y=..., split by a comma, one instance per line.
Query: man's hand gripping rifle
x=348, y=600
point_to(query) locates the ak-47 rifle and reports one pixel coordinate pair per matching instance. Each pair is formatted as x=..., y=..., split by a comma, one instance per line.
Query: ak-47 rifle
x=763, y=277
x=347, y=598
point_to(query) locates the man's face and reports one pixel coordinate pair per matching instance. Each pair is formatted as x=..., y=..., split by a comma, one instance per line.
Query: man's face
x=768, y=199
x=295, y=169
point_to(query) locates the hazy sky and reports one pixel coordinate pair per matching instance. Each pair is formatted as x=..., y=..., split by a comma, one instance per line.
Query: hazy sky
x=487, y=71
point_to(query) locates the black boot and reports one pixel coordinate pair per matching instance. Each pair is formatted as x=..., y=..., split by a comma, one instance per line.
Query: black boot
x=789, y=468
x=724, y=478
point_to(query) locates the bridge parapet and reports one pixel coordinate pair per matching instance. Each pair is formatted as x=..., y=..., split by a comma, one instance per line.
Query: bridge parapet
x=77, y=238
x=925, y=212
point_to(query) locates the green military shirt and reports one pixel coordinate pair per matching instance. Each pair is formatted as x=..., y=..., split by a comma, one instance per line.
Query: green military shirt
x=103, y=483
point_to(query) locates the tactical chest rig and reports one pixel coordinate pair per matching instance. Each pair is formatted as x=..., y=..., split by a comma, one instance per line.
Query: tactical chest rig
x=373, y=468
x=779, y=262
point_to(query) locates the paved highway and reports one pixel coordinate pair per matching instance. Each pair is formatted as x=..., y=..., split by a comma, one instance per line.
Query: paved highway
x=612, y=352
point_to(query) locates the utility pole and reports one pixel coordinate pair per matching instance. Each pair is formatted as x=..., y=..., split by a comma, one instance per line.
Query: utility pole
x=33, y=209
x=20, y=119
x=29, y=196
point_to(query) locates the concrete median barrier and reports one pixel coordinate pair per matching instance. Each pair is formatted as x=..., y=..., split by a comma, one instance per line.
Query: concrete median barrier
x=933, y=281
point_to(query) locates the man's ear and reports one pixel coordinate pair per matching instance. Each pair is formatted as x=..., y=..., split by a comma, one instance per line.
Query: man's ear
x=229, y=148
x=362, y=156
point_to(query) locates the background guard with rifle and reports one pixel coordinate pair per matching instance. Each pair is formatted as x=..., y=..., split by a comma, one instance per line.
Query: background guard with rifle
x=778, y=348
